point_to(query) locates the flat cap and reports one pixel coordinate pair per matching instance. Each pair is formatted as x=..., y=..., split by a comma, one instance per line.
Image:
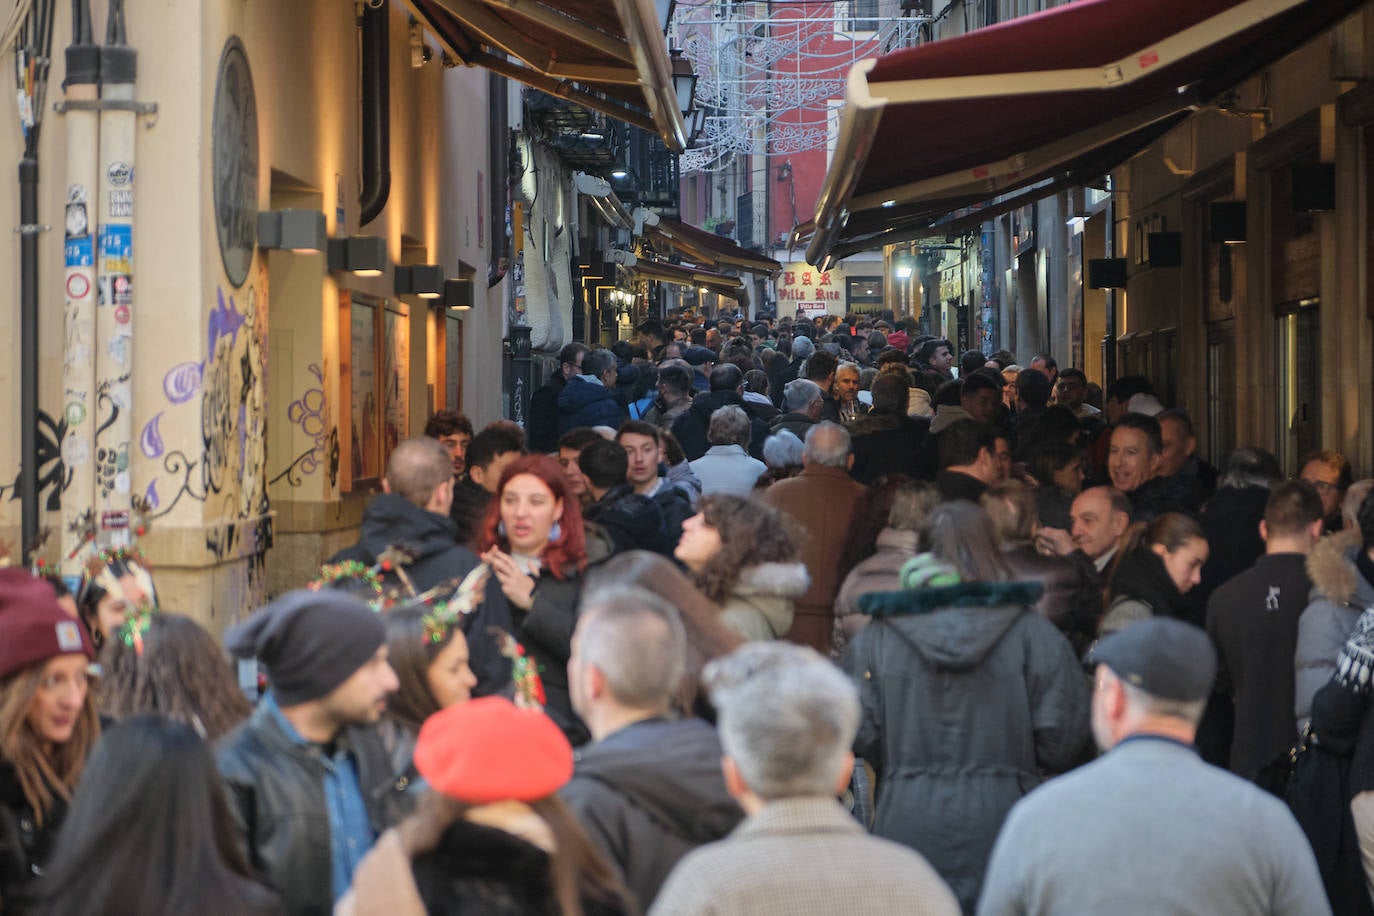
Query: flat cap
x=699, y=356
x=1165, y=658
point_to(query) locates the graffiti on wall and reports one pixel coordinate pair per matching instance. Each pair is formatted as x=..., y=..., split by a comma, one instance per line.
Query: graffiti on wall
x=310, y=414
x=228, y=470
x=53, y=476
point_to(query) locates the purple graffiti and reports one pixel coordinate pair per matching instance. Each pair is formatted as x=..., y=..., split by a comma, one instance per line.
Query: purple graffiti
x=151, y=439
x=150, y=495
x=225, y=319
x=182, y=381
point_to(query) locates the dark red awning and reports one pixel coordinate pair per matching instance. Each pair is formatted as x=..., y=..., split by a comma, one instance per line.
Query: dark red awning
x=1054, y=98
x=707, y=248
x=607, y=55
x=679, y=275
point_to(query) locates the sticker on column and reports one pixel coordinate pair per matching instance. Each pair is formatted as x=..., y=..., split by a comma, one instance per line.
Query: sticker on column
x=76, y=451
x=116, y=248
x=78, y=287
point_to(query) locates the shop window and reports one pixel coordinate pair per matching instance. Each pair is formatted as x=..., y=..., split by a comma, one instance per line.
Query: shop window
x=865, y=294
x=1221, y=390
x=375, y=362
x=1299, y=381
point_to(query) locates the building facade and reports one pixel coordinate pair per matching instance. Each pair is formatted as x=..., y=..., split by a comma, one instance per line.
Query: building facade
x=267, y=386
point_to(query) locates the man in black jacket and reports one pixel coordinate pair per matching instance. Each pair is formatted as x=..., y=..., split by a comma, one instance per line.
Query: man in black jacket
x=727, y=387
x=649, y=788
x=412, y=514
x=628, y=520
x=307, y=780
x=488, y=455
x=544, y=412
x=967, y=457
x=643, y=445
x=1253, y=621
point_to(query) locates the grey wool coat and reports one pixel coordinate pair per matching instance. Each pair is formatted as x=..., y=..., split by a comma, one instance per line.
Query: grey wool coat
x=970, y=698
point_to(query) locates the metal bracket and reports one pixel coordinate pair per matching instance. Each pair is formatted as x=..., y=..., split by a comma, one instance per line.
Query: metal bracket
x=143, y=108
x=31, y=228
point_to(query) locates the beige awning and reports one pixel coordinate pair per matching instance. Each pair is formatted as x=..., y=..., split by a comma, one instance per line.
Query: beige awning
x=607, y=55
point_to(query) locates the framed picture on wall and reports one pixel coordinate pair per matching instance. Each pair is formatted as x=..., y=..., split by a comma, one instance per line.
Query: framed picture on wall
x=374, y=382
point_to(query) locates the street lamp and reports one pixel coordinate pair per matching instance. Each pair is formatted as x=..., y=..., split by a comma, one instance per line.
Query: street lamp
x=684, y=82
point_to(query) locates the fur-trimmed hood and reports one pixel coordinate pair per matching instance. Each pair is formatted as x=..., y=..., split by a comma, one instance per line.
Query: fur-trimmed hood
x=963, y=595
x=953, y=627
x=1331, y=564
x=784, y=580
x=760, y=606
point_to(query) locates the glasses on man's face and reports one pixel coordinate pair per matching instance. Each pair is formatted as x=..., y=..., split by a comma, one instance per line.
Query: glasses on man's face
x=1321, y=486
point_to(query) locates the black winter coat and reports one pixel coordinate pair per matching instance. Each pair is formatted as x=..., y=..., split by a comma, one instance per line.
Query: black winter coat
x=649, y=794
x=277, y=804
x=630, y=521
x=1338, y=765
x=584, y=403
x=545, y=630
x=24, y=846
x=690, y=428
x=392, y=521
x=1231, y=522
x=470, y=502
x=485, y=871
x=542, y=428
x=1140, y=587
x=888, y=444
x=1159, y=495
x=969, y=698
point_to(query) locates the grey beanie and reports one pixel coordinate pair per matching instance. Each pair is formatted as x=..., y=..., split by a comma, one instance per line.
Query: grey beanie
x=310, y=642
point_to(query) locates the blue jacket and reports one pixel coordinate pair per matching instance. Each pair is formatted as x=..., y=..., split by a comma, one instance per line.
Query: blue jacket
x=584, y=403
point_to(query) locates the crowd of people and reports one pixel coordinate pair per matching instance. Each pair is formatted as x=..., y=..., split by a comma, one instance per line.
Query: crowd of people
x=783, y=616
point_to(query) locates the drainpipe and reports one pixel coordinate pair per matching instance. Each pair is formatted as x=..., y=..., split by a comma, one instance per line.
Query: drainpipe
x=1109, y=337
x=82, y=84
x=115, y=282
x=31, y=70
x=376, y=126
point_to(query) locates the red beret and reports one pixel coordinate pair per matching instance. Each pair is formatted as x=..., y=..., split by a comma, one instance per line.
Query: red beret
x=489, y=750
x=33, y=626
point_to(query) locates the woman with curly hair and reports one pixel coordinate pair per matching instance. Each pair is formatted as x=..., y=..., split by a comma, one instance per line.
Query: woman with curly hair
x=535, y=543
x=169, y=665
x=743, y=556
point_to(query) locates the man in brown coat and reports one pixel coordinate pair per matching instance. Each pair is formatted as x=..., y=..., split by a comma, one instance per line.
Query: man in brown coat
x=821, y=500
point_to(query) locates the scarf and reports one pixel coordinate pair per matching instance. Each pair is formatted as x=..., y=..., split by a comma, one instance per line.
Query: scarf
x=1355, y=665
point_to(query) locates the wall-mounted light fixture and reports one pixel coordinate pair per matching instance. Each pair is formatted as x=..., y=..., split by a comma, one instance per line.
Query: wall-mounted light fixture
x=684, y=82
x=423, y=280
x=1107, y=273
x=360, y=255
x=458, y=295
x=1227, y=220
x=291, y=230
x=698, y=123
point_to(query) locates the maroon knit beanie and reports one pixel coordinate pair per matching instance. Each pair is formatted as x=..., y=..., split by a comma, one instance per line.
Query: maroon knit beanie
x=33, y=626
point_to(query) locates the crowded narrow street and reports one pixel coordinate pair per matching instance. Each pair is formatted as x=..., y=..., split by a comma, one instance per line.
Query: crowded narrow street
x=686, y=457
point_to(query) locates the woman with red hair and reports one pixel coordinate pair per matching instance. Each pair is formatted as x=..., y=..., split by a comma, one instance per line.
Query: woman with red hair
x=533, y=540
